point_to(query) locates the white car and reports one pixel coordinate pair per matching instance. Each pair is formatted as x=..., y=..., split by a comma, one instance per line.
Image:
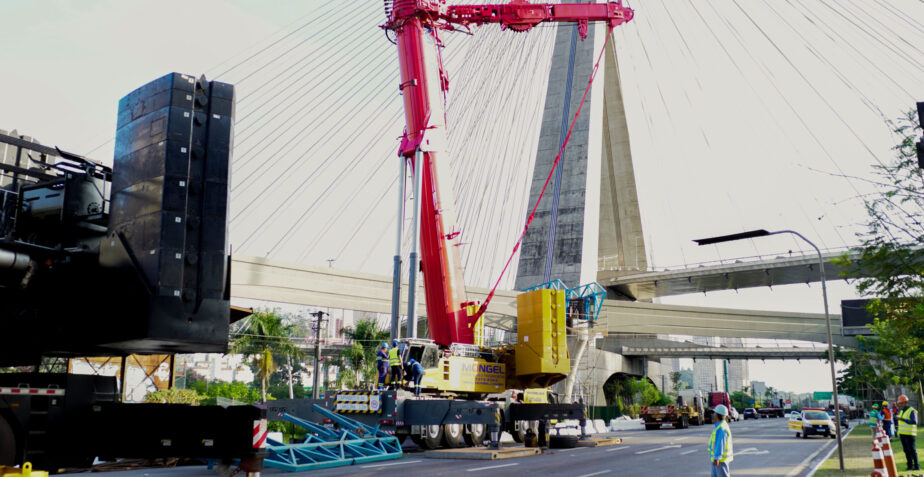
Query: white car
x=734, y=414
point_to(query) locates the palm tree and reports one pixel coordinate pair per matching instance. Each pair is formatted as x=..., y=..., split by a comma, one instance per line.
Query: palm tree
x=263, y=335
x=360, y=357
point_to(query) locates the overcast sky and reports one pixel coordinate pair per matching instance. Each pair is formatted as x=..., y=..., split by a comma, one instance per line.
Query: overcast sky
x=742, y=114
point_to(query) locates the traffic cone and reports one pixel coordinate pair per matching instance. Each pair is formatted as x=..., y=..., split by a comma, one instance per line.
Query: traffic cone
x=878, y=465
x=888, y=458
x=876, y=473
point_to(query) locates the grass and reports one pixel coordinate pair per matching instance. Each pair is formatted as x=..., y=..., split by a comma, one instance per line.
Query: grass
x=858, y=461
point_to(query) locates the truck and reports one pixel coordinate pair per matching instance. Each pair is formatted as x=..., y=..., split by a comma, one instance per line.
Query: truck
x=468, y=385
x=850, y=407
x=714, y=399
x=114, y=261
x=687, y=410
x=772, y=408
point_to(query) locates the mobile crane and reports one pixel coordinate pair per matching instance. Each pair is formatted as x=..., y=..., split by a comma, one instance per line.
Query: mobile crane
x=461, y=372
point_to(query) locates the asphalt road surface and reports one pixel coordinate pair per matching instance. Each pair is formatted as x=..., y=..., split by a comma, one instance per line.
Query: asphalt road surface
x=763, y=447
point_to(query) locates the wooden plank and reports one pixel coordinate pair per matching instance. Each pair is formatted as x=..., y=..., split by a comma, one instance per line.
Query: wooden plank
x=483, y=453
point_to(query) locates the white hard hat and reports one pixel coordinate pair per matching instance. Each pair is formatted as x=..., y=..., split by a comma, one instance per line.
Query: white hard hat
x=721, y=410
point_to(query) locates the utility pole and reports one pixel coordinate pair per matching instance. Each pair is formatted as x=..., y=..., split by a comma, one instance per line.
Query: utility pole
x=317, y=353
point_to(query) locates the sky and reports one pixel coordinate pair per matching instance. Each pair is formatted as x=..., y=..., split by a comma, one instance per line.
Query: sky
x=742, y=115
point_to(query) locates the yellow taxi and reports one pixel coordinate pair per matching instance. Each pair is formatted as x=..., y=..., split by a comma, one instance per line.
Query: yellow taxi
x=811, y=421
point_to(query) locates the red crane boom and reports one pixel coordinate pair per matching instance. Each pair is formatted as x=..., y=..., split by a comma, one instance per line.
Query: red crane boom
x=417, y=24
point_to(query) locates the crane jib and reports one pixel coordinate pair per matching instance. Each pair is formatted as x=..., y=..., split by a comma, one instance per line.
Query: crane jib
x=417, y=25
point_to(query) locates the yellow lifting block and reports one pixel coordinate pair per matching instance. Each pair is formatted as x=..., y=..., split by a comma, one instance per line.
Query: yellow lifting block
x=542, y=347
x=25, y=471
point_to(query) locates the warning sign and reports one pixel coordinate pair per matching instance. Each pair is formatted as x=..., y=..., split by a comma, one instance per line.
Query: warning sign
x=352, y=402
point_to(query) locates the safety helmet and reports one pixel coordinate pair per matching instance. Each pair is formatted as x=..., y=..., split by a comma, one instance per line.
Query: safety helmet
x=885, y=403
x=721, y=410
x=394, y=342
x=384, y=345
x=902, y=398
x=875, y=405
x=411, y=361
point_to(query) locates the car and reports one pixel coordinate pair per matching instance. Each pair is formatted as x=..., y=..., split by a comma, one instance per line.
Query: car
x=751, y=413
x=811, y=421
x=734, y=414
x=844, y=423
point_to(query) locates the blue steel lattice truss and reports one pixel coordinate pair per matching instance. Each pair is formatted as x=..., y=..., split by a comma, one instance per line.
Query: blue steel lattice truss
x=353, y=443
x=588, y=297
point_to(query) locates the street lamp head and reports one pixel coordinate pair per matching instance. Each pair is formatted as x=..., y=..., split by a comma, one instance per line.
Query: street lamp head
x=732, y=237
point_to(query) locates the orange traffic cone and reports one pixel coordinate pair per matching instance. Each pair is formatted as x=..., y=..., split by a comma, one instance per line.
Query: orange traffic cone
x=876, y=473
x=888, y=458
x=878, y=465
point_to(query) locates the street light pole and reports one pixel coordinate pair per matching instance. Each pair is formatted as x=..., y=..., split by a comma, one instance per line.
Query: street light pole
x=824, y=293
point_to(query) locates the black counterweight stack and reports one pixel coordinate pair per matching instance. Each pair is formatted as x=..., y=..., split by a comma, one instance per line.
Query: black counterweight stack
x=168, y=228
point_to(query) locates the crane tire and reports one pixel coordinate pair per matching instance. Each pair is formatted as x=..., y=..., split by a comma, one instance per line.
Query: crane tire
x=453, y=436
x=476, y=434
x=7, y=443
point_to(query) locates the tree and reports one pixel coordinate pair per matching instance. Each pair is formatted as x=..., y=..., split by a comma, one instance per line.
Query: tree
x=174, y=396
x=741, y=400
x=212, y=390
x=891, y=267
x=262, y=335
x=675, y=382
x=359, y=358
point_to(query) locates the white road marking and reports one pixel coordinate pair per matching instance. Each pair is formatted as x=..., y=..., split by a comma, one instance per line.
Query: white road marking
x=393, y=463
x=676, y=446
x=617, y=448
x=680, y=439
x=491, y=467
x=752, y=452
x=822, y=461
x=595, y=473
x=688, y=452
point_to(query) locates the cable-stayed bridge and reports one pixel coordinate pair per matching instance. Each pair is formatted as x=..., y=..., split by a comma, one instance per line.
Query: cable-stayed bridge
x=723, y=103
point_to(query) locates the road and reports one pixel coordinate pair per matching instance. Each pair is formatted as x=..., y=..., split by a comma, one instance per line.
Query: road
x=763, y=447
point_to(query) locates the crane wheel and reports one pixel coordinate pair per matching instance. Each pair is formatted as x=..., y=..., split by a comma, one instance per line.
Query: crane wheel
x=7, y=443
x=475, y=434
x=431, y=438
x=522, y=426
x=453, y=436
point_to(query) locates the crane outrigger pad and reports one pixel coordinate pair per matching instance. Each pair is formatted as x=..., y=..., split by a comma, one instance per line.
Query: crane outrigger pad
x=353, y=443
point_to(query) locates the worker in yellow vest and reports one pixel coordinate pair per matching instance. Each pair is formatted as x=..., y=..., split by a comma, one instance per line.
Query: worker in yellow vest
x=394, y=361
x=908, y=432
x=720, y=443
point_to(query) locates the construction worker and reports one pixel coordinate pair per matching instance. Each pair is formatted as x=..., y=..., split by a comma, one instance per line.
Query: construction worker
x=908, y=432
x=720, y=443
x=886, y=418
x=874, y=416
x=381, y=364
x=417, y=373
x=394, y=360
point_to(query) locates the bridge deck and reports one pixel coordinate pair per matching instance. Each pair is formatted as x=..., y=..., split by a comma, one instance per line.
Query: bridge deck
x=263, y=279
x=722, y=276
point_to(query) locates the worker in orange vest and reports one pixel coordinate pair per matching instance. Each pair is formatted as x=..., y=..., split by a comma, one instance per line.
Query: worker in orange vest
x=887, y=418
